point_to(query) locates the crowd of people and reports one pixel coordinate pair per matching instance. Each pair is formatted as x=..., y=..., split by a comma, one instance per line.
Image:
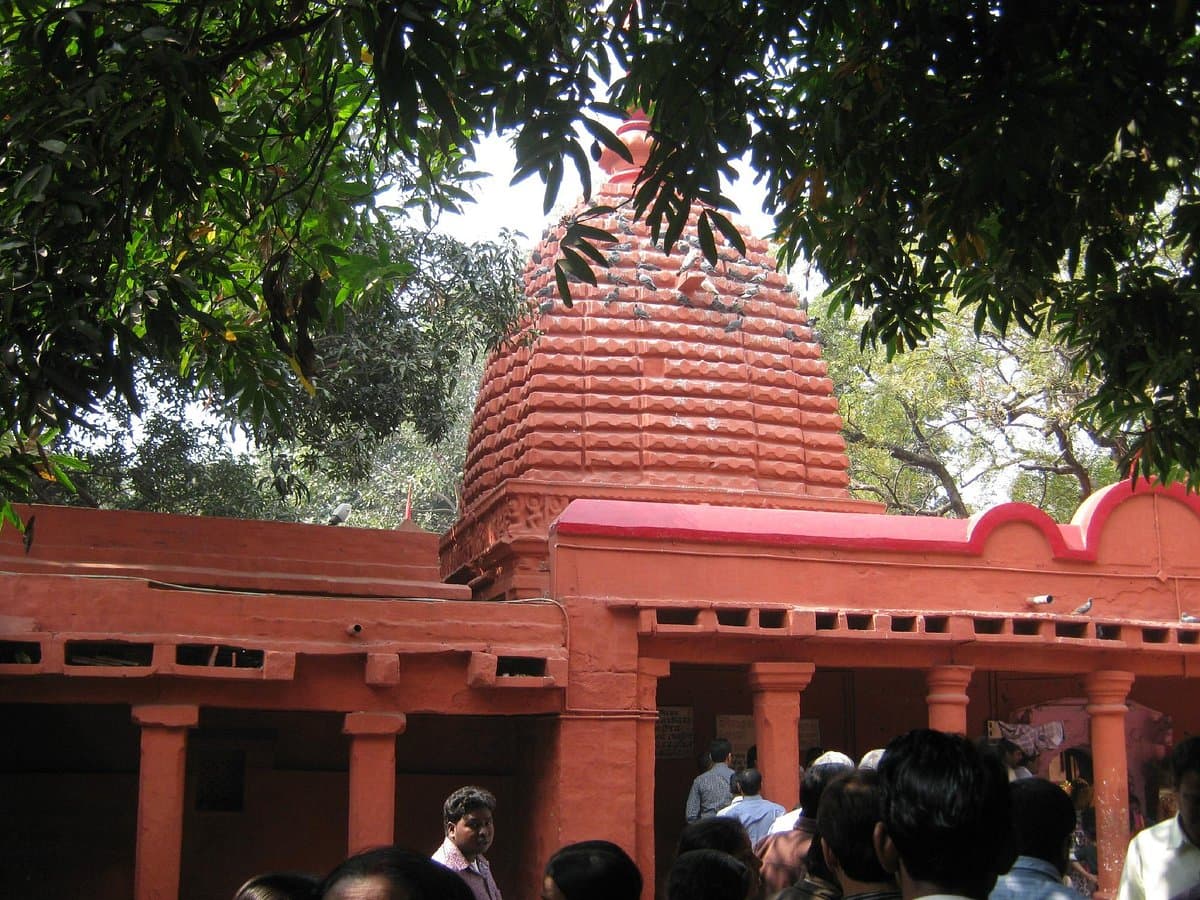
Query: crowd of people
x=932, y=815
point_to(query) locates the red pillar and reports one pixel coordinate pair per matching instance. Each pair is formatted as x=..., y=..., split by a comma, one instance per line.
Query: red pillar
x=162, y=771
x=649, y=672
x=947, y=697
x=372, y=777
x=1106, y=694
x=777, y=687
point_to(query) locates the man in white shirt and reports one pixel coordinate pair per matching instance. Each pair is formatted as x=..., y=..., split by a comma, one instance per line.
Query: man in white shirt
x=467, y=815
x=1163, y=861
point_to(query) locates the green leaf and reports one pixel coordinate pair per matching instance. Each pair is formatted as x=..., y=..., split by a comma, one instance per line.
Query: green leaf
x=708, y=246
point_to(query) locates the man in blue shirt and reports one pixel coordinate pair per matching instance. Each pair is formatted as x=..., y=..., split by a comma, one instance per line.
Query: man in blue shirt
x=1043, y=819
x=749, y=807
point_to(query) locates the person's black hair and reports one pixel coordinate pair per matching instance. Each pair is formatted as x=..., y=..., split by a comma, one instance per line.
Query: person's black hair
x=749, y=781
x=279, y=886
x=708, y=875
x=813, y=784
x=714, y=833
x=595, y=870
x=812, y=754
x=846, y=822
x=1043, y=818
x=946, y=808
x=752, y=757
x=412, y=876
x=719, y=750
x=814, y=862
x=1185, y=758
x=1006, y=746
x=466, y=799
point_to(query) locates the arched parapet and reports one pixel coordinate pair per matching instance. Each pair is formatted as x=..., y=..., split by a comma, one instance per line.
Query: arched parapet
x=1048, y=537
x=1170, y=514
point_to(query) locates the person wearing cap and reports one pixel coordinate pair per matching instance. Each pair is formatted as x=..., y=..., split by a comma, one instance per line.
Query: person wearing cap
x=870, y=759
x=787, y=821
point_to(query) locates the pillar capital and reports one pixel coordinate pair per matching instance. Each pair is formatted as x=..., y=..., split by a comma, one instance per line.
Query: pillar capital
x=1107, y=691
x=947, y=698
x=167, y=715
x=780, y=676
x=949, y=679
x=381, y=723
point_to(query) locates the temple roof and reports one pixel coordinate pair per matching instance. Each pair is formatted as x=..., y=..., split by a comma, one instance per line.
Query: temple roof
x=667, y=373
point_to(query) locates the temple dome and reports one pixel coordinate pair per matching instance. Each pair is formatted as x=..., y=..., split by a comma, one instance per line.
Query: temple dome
x=665, y=381
x=643, y=383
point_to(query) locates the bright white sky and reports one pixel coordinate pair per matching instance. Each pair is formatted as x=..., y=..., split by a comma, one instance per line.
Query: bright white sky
x=519, y=207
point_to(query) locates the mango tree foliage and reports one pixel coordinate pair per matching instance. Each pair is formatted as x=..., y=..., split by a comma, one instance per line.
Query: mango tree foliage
x=1034, y=163
x=194, y=185
x=191, y=182
x=965, y=421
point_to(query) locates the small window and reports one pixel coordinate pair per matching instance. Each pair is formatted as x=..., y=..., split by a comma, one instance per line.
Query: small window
x=1074, y=630
x=520, y=667
x=20, y=653
x=674, y=616
x=108, y=653
x=771, y=618
x=937, y=624
x=218, y=656
x=989, y=626
x=738, y=618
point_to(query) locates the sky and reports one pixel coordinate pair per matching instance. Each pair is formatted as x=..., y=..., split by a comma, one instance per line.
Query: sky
x=519, y=207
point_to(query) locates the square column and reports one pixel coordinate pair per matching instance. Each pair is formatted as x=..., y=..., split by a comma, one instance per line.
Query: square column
x=372, y=777
x=947, y=698
x=777, y=687
x=1107, y=693
x=649, y=672
x=162, y=772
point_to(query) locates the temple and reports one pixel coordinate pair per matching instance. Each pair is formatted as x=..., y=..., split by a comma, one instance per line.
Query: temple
x=657, y=544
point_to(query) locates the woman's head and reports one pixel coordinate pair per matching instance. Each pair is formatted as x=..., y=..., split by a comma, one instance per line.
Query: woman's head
x=591, y=870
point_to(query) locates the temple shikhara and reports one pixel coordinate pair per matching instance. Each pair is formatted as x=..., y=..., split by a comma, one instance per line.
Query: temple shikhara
x=656, y=544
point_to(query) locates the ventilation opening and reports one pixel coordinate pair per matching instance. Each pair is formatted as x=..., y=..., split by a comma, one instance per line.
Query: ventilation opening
x=520, y=667
x=1070, y=629
x=937, y=624
x=1154, y=635
x=858, y=622
x=904, y=623
x=736, y=617
x=673, y=616
x=1188, y=637
x=108, y=653
x=218, y=656
x=827, y=621
x=1027, y=627
x=20, y=652
x=771, y=618
x=989, y=626
x=1106, y=632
